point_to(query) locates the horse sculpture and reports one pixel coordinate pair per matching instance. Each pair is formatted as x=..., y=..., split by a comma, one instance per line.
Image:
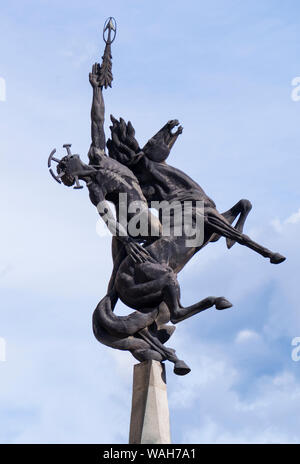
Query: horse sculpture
x=145, y=266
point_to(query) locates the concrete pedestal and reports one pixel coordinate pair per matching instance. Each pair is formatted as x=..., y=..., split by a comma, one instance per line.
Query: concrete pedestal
x=150, y=421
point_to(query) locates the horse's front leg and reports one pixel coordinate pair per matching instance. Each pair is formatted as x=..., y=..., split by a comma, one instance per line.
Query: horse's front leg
x=216, y=222
x=242, y=208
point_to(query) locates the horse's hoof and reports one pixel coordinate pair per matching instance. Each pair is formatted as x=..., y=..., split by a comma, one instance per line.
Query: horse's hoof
x=230, y=243
x=222, y=303
x=277, y=258
x=181, y=368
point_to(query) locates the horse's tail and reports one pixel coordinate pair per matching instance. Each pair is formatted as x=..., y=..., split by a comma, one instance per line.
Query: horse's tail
x=105, y=322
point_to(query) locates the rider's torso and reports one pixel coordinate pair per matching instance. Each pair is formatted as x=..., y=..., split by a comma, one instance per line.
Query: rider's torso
x=113, y=178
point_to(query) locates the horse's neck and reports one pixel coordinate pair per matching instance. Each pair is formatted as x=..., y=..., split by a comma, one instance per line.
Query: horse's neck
x=174, y=180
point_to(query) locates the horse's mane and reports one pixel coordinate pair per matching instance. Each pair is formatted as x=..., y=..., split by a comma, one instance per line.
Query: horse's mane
x=123, y=146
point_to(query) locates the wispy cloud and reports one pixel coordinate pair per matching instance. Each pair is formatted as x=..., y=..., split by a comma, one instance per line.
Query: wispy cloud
x=292, y=219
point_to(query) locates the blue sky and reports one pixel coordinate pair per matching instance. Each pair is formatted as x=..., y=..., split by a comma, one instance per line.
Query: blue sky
x=224, y=69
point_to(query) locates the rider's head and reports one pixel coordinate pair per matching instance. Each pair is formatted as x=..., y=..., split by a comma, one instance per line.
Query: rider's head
x=71, y=166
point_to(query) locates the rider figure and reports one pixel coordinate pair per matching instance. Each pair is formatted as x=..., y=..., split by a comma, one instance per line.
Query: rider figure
x=106, y=179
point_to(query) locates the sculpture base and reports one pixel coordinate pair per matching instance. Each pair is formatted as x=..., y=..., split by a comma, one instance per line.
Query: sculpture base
x=150, y=421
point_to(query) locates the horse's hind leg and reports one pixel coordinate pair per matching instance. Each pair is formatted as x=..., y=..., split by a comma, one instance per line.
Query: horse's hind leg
x=146, y=355
x=216, y=221
x=180, y=367
x=179, y=313
x=242, y=208
x=185, y=312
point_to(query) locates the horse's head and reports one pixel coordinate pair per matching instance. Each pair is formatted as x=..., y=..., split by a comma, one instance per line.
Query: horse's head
x=159, y=146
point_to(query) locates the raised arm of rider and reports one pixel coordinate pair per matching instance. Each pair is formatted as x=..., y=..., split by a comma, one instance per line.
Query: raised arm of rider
x=97, y=110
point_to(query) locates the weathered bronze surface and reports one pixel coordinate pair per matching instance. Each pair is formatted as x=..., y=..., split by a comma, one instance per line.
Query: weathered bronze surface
x=146, y=264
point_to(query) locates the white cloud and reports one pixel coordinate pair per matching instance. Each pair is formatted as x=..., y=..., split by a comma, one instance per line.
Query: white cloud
x=68, y=393
x=246, y=336
x=294, y=218
x=222, y=414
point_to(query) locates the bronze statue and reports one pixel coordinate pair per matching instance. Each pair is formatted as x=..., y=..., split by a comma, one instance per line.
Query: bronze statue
x=146, y=262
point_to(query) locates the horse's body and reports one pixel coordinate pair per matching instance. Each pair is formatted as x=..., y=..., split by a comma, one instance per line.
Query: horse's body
x=151, y=287
x=161, y=182
x=146, y=278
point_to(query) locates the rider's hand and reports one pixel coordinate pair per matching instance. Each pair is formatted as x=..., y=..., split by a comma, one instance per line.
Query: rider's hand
x=137, y=253
x=94, y=75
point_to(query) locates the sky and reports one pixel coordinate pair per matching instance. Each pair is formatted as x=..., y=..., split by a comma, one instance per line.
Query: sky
x=224, y=69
